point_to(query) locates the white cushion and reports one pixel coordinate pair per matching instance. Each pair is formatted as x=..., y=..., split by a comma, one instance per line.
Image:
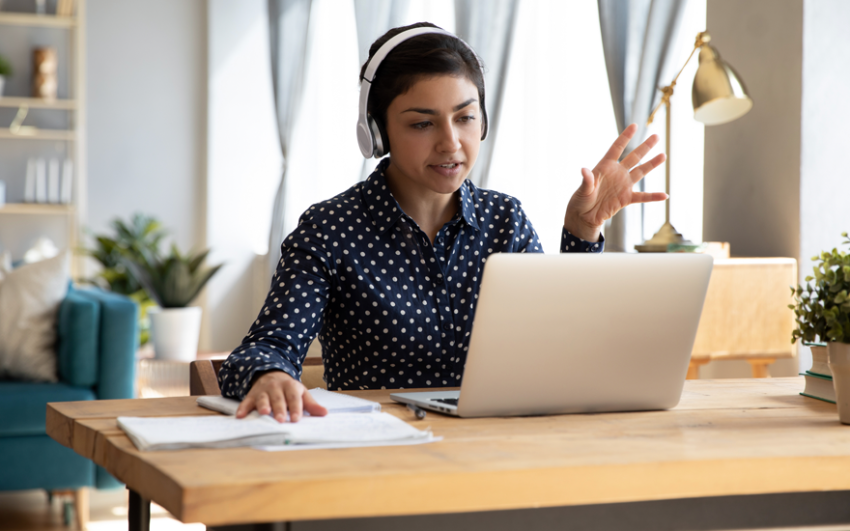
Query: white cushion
x=29, y=303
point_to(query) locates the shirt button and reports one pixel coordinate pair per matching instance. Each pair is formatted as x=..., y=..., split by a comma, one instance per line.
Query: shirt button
x=439, y=280
x=447, y=326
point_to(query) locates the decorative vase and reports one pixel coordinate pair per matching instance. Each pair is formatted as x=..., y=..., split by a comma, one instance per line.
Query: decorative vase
x=44, y=82
x=175, y=332
x=839, y=364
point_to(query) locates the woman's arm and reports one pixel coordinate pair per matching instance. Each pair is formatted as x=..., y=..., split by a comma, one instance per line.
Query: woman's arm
x=264, y=370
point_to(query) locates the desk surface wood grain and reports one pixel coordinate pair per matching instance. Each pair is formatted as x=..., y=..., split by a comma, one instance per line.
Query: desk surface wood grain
x=726, y=437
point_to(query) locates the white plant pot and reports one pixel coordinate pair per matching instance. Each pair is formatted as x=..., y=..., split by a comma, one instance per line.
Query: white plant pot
x=839, y=365
x=2, y=82
x=175, y=333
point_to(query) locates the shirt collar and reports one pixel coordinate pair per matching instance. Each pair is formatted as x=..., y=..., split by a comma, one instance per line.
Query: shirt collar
x=467, y=206
x=378, y=199
x=385, y=210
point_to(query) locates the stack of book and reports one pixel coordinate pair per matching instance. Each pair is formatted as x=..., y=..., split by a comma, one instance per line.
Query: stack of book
x=819, y=377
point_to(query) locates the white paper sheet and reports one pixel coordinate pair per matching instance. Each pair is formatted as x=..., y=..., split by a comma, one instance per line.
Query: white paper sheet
x=334, y=402
x=219, y=431
x=331, y=446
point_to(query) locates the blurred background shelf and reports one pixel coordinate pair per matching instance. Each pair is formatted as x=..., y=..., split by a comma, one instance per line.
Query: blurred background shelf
x=61, y=127
x=38, y=103
x=36, y=209
x=28, y=19
x=42, y=134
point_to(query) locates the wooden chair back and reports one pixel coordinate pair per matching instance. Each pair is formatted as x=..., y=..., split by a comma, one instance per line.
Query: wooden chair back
x=203, y=378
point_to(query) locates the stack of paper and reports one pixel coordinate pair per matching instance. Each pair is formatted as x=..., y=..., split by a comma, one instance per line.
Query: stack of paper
x=351, y=422
x=334, y=402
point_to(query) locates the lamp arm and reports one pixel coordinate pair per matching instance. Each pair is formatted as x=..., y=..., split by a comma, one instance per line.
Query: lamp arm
x=702, y=38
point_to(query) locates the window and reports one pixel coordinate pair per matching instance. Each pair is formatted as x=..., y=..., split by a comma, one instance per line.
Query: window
x=556, y=115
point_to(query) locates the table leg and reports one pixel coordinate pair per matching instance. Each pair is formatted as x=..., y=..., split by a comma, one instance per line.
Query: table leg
x=81, y=507
x=760, y=367
x=693, y=368
x=139, y=513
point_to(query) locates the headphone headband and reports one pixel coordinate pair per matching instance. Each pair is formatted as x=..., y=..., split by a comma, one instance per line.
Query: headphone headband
x=369, y=135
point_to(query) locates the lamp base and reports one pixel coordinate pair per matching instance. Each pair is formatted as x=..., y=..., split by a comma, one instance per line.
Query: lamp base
x=665, y=236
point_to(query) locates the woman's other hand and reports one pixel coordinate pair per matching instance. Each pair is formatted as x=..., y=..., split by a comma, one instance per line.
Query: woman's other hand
x=608, y=188
x=277, y=392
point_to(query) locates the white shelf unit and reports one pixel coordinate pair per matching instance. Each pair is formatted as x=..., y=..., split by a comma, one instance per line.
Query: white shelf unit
x=35, y=21
x=41, y=134
x=73, y=213
x=38, y=103
x=37, y=209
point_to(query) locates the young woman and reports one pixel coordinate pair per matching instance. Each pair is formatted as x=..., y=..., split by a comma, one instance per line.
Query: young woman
x=387, y=273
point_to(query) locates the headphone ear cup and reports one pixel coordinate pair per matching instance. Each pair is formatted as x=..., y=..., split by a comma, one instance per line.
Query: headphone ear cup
x=379, y=135
x=485, y=125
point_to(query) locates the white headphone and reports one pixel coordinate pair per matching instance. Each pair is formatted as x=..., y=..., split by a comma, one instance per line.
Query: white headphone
x=369, y=136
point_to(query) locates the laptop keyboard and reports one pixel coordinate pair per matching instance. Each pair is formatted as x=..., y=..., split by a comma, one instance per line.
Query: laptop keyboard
x=449, y=401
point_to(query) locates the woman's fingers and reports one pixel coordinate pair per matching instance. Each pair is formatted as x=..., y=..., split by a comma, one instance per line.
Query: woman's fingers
x=632, y=159
x=648, y=197
x=587, y=182
x=641, y=171
x=620, y=144
x=261, y=402
x=292, y=393
x=312, y=407
x=279, y=406
x=245, y=407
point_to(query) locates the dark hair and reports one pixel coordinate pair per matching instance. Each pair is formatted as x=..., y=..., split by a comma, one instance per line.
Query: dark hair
x=423, y=56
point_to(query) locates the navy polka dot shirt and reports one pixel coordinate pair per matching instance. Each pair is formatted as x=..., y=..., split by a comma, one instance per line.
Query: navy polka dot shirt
x=391, y=309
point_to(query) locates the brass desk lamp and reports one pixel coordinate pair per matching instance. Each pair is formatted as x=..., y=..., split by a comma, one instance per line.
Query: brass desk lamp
x=719, y=96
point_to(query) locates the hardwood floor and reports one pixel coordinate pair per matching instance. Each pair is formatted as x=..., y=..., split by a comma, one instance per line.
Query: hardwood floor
x=30, y=511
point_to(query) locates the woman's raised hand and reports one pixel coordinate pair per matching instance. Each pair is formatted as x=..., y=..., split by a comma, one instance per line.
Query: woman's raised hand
x=277, y=392
x=608, y=188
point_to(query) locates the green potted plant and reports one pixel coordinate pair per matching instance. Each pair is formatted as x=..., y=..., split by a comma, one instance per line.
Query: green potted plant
x=173, y=282
x=5, y=71
x=822, y=312
x=141, y=235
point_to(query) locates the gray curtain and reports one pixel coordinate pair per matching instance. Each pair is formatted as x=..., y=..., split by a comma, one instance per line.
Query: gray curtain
x=374, y=18
x=636, y=38
x=289, y=22
x=488, y=26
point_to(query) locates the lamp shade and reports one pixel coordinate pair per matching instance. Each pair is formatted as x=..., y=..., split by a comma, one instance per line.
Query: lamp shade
x=719, y=95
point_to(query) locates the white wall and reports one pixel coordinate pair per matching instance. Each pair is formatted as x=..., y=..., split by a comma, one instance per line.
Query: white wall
x=825, y=181
x=244, y=165
x=146, y=80
x=775, y=183
x=181, y=122
x=752, y=165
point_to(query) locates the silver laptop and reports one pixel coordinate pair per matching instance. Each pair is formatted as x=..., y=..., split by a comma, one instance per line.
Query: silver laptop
x=576, y=333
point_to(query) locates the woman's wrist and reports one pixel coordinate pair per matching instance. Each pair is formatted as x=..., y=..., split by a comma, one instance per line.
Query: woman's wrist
x=582, y=230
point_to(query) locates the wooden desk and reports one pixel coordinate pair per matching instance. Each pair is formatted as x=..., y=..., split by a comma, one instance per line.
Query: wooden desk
x=727, y=437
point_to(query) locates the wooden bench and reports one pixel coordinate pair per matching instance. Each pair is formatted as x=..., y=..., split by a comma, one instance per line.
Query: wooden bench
x=746, y=315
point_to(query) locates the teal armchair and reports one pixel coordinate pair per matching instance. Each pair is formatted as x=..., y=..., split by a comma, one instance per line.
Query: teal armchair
x=97, y=342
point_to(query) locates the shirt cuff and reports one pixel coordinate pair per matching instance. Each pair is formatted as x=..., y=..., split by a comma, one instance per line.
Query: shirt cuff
x=243, y=380
x=573, y=244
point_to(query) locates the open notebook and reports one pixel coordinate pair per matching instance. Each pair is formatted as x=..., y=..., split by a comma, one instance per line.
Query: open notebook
x=351, y=422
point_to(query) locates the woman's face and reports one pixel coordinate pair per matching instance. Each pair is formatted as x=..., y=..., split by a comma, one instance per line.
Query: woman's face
x=434, y=131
